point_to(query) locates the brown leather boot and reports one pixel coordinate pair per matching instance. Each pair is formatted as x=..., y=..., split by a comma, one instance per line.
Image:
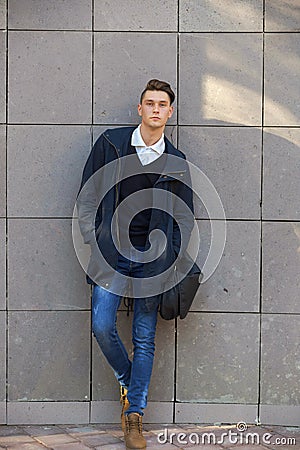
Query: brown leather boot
x=125, y=405
x=134, y=438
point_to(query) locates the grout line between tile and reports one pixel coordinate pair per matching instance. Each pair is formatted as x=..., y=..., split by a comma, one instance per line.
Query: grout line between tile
x=180, y=125
x=6, y=222
x=74, y=30
x=261, y=222
x=231, y=219
x=92, y=142
x=207, y=311
x=177, y=120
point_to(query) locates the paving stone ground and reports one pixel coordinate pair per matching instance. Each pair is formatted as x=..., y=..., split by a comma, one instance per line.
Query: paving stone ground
x=158, y=436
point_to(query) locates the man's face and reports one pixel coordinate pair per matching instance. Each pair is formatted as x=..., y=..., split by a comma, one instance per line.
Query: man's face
x=155, y=109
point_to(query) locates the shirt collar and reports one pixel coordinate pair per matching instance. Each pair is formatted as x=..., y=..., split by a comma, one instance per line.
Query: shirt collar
x=137, y=141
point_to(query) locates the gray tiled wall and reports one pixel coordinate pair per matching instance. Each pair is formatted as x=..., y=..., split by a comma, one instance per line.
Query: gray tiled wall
x=72, y=68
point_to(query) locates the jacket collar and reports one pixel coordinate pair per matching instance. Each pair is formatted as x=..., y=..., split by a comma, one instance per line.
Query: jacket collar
x=120, y=139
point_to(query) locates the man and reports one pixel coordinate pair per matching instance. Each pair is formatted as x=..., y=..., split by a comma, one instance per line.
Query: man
x=125, y=162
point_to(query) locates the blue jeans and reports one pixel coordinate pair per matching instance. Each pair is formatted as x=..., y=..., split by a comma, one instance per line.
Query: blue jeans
x=135, y=375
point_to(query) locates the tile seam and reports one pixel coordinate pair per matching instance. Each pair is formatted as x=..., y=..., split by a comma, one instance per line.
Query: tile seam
x=6, y=218
x=177, y=120
x=261, y=220
x=74, y=30
x=92, y=141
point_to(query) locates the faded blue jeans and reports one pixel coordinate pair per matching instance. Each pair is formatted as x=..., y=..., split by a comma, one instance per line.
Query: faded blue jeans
x=135, y=375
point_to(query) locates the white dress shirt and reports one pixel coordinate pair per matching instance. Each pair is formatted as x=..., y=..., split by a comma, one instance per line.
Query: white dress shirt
x=147, y=154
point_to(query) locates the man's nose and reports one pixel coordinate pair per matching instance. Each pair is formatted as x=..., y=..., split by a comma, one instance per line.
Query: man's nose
x=155, y=107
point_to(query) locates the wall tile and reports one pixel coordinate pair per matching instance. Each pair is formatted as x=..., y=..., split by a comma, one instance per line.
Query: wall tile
x=282, y=72
x=282, y=15
x=159, y=412
x=46, y=180
x=2, y=171
x=105, y=411
x=43, y=343
x=220, y=79
x=49, y=77
x=44, y=272
x=280, y=360
x=281, y=267
x=2, y=264
x=150, y=16
x=231, y=159
x=162, y=380
x=2, y=14
x=214, y=413
x=62, y=14
x=119, y=58
x=35, y=413
x=231, y=15
x=2, y=77
x=2, y=357
x=280, y=415
x=218, y=358
x=281, y=174
x=105, y=386
x=109, y=412
x=234, y=286
x=2, y=412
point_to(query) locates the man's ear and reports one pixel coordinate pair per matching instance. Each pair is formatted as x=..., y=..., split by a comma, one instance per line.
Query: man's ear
x=171, y=111
x=139, y=108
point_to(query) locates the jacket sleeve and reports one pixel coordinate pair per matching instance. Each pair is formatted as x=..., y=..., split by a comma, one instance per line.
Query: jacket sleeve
x=183, y=223
x=88, y=196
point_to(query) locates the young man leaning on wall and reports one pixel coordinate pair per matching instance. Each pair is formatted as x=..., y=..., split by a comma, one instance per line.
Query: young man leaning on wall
x=133, y=167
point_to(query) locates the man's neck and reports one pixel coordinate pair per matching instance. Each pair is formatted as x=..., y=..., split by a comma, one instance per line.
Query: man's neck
x=151, y=136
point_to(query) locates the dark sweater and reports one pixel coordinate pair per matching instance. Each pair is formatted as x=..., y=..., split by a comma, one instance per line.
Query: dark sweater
x=138, y=229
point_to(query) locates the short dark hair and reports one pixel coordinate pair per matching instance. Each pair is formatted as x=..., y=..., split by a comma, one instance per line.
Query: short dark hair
x=157, y=85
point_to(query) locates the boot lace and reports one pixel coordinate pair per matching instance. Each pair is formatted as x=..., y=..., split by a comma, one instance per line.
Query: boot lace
x=134, y=424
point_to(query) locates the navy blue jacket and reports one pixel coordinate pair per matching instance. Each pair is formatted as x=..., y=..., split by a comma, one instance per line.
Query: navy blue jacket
x=95, y=216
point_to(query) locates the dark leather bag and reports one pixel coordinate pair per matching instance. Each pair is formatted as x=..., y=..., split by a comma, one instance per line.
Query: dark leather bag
x=177, y=301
